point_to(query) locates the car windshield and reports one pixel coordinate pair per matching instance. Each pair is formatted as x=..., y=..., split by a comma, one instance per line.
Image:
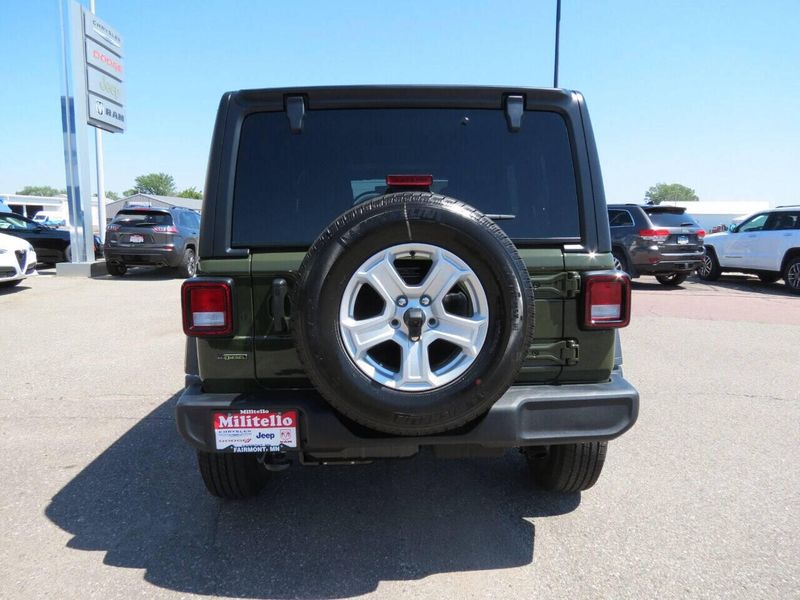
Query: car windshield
x=14, y=222
x=136, y=218
x=289, y=186
x=671, y=219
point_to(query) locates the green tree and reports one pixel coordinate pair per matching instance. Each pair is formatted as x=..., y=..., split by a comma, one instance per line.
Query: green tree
x=670, y=192
x=191, y=192
x=112, y=195
x=159, y=184
x=40, y=190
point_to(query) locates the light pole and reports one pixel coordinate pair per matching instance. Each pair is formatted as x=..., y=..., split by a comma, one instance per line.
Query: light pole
x=558, y=35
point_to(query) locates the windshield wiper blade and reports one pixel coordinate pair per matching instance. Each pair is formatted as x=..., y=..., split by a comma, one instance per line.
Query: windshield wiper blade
x=500, y=217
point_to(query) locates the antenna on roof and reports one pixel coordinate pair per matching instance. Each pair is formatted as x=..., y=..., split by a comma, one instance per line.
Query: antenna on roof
x=558, y=35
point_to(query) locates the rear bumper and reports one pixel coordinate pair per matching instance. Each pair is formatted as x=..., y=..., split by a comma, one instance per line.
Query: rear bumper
x=523, y=416
x=143, y=255
x=650, y=262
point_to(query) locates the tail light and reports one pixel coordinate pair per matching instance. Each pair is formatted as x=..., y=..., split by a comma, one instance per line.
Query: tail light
x=112, y=227
x=701, y=234
x=607, y=300
x=207, y=308
x=654, y=235
x=165, y=229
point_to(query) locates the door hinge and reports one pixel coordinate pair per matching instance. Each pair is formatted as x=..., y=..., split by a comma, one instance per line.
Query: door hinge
x=560, y=352
x=296, y=112
x=515, y=109
x=280, y=316
x=566, y=284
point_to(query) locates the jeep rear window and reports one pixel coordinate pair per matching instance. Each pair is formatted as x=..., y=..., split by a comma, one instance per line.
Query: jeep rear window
x=289, y=187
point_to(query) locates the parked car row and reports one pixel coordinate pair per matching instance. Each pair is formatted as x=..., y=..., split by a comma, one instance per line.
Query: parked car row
x=667, y=242
x=17, y=260
x=52, y=245
x=165, y=237
x=766, y=244
x=655, y=240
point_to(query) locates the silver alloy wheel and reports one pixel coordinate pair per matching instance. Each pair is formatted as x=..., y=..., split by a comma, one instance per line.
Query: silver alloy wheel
x=617, y=264
x=466, y=334
x=793, y=276
x=706, y=266
x=192, y=266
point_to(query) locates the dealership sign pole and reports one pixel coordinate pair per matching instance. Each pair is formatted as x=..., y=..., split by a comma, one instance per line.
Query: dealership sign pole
x=92, y=94
x=99, y=169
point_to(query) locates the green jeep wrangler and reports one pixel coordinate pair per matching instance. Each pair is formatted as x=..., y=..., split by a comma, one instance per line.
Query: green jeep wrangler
x=387, y=268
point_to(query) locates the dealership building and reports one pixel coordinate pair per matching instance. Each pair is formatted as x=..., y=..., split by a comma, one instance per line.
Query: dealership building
x=151, y=201
x=30, y=205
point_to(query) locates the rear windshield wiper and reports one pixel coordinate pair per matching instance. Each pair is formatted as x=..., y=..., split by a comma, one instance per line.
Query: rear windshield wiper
x=500, y=217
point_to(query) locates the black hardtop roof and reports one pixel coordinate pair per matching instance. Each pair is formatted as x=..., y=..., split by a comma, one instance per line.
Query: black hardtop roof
x=406, y=95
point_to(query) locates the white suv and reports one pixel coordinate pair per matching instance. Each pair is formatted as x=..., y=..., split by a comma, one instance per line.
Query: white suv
x=766, y=244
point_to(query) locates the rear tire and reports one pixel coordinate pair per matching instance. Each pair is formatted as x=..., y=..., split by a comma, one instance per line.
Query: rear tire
x=188, y=266
x=567, y=467
x=791, y=274
x=620, y=261
x=116, y=269
x=672, y=279
x=68, y=253
x=231, y=476
x=709, y=269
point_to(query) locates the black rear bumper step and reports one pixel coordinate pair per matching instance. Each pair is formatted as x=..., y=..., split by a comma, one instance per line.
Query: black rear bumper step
x=523, y=416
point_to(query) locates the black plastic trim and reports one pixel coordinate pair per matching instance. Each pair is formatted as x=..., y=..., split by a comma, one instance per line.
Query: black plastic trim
x=523, y=416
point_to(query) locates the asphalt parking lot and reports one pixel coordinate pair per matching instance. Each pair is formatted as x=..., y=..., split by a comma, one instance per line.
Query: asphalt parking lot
x=100, y=498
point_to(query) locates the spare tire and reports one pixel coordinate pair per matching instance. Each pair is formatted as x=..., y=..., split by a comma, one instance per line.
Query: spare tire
x=413, y=313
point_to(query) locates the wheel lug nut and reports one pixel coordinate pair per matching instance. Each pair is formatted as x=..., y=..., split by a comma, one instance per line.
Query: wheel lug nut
x=402, y=301
x=432, y=322
x=425, y=300
x=395, y=323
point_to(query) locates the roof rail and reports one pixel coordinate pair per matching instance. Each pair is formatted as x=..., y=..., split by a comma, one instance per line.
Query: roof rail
x=788, y=206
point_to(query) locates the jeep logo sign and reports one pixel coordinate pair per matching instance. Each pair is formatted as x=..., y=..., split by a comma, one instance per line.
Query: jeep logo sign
x=105, y=86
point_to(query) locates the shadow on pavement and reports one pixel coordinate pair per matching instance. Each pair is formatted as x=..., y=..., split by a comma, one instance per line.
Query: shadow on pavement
x=745, y=283
x=7, y=290
x=314, y=532
x=144, y=274
x=651, y=284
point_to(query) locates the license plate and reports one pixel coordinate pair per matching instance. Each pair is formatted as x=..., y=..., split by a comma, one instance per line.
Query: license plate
x=257, y=430
x=136, y=239
x=683, y=240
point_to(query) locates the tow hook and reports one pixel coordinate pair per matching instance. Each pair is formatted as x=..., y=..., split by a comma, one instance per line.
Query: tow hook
x=274, y=461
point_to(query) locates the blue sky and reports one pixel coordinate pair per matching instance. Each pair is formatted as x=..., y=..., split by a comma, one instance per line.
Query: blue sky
x=701, y=93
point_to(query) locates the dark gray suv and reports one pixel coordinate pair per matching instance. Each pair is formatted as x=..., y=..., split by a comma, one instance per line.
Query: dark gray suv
x=165, y=237
x=655, y=240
